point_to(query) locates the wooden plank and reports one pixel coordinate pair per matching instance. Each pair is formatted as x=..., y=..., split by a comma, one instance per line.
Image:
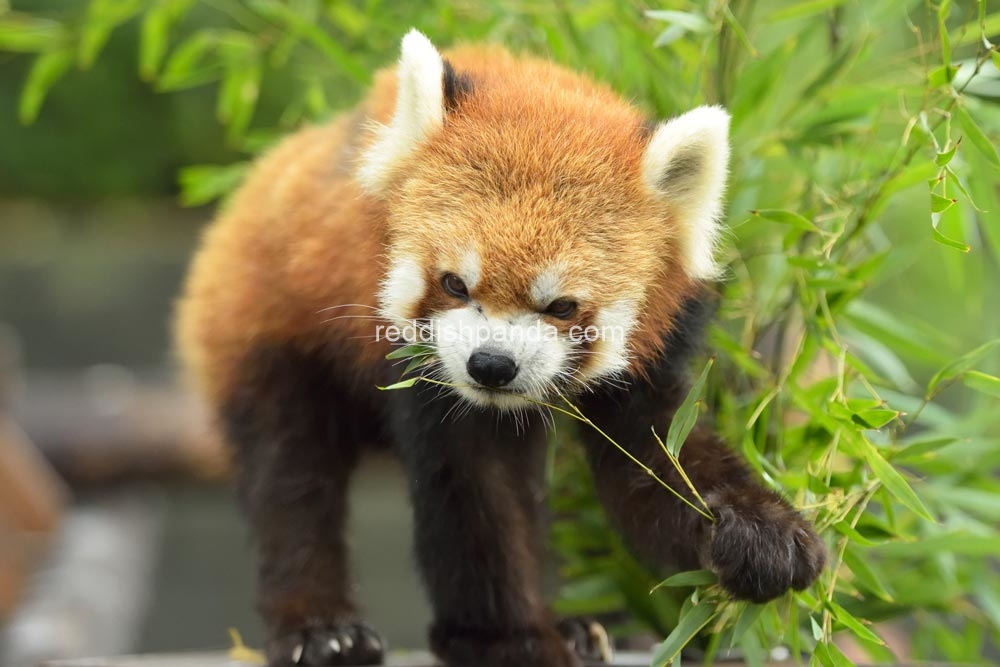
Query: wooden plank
x=221, y=659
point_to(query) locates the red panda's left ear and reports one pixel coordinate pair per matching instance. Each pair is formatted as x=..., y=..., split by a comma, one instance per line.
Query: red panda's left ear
x=419, y=111
x=685, y=164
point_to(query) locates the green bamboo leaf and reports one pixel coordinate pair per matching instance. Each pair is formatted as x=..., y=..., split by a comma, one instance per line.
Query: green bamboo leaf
x=803, y=9
x=831, y=656
x=238, y=93
x=690, y=578
x=787, y=218
x=103, y=16
x=960, y=365
x=45, y=71
x=974, y=31
x=313, y=33
x=977, y=136
x=941, y=76
x=893, y=480
x=411, y=350
x=817, y=630
x=958, y=543
x=921, y=449
x=853, y=624
x=940, y=204
x=691, y=21
x=687, y=414
x=155, y=32
x=693, y=618
x=193, y=63
x=944, y=157
x=201, y=184
x=865, y=575
x=415, y=363
x=852, y=534
x=21, y=33
x=402, y=384
x=950, y=242
x=983, y=383
x=944, y=9
x=153, y=41
x=874, y=419
x=747, y=620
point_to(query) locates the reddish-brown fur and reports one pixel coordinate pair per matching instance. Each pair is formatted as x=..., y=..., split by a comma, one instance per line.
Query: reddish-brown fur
x=300, y=236
x=536, y=166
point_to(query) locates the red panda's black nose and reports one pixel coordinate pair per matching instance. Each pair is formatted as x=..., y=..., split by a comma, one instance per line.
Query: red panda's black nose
x=491, y=370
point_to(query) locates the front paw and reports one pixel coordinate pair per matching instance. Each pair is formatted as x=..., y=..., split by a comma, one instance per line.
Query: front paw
x=588, y=639
x=480, y=647
x=327, y=646
x=760, y=546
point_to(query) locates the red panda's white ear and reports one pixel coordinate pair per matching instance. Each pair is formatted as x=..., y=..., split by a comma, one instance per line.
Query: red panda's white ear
x=685, y=164
x=419, y=111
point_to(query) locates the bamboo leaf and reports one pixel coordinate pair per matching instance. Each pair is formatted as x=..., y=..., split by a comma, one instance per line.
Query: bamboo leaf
x=402, y=384
x=412, y=350
x=292, y=20
x=865, y=574
x=983, y=383
x=747, y=620
x=687, y=414
x=940, y=204
x=156, y=25
x=893, y=480
x=692, y=620
x=945, y=157
x=47, y=69
x=977, y=137
x=103, y=16
x=960, y=365
x=690, y=578
x=21, y=33
x=854, y=625
x=193, y=63
x=804, y=9
x=787, y=218
x=831, y=656
x=201, y=184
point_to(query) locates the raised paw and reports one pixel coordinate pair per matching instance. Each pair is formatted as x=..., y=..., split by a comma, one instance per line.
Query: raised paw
x=761, y=547
x=327, y=646
x=588, y=639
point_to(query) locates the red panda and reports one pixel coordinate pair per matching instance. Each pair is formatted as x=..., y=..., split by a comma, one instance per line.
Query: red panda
x=476, y=197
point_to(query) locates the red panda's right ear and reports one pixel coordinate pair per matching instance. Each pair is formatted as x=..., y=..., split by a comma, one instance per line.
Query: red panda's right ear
x=420, y=107
x=685, y=165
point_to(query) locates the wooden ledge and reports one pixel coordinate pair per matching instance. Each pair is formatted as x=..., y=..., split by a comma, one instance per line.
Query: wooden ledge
x=222, y=659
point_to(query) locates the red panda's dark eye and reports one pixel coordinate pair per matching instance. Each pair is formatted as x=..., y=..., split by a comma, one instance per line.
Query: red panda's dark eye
x=455, y=286
x=561, y=308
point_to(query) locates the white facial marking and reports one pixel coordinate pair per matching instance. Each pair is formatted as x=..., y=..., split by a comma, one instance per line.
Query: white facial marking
x=547, y=286
x=401, y=290
x=535, y=346
x=685, y=163
x=419, y=111
x=469, y=269
x=610, y=353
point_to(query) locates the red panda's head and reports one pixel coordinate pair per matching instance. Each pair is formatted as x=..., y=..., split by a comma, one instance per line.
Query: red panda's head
x=543, y=233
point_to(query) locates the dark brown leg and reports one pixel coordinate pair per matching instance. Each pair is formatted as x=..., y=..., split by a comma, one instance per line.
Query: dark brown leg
x=476, y=496
x=759, y=546
x=296, y=443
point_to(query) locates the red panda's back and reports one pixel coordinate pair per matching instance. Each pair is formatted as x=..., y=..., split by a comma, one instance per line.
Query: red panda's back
x=297, y=243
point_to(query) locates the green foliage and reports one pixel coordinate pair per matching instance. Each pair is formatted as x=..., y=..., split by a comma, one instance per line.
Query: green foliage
x=857, y=347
